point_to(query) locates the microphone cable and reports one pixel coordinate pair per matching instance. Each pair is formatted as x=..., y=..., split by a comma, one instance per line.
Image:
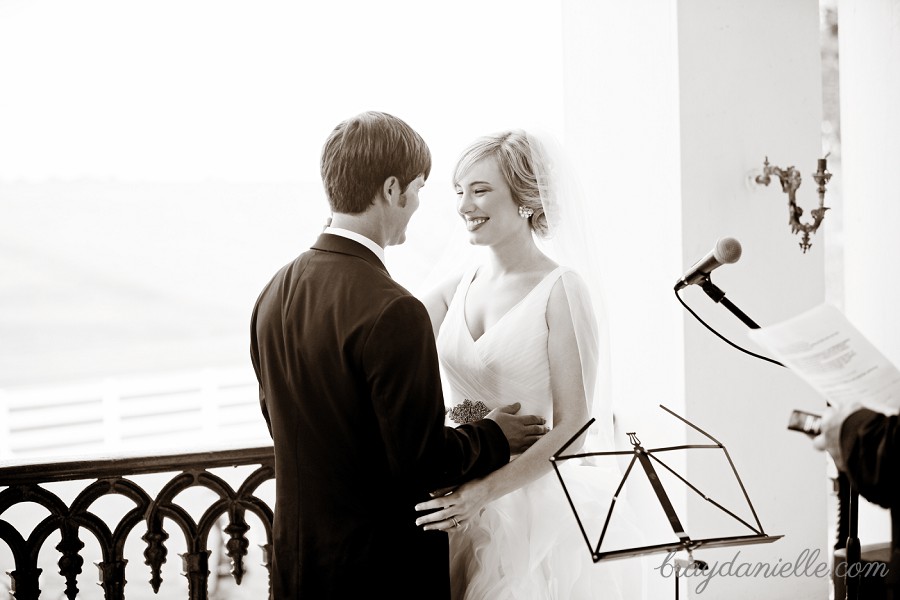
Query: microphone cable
x=723, y=338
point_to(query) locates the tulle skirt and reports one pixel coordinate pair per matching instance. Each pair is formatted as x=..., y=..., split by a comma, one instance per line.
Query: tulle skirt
x=527, y=545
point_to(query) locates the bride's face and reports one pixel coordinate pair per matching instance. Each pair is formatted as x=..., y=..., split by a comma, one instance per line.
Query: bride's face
x=486, y=204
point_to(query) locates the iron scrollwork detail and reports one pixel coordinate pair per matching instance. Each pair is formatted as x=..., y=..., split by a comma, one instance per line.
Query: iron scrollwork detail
x=70, y=520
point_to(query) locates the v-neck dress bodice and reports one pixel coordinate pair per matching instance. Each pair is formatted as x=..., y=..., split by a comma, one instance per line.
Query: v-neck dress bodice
x=509, y=361
x=520, y=547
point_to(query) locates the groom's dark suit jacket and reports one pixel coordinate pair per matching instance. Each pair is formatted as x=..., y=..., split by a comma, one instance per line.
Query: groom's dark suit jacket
x=350, y=389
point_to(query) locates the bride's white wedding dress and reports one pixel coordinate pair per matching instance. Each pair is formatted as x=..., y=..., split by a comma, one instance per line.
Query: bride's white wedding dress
x=526, y=544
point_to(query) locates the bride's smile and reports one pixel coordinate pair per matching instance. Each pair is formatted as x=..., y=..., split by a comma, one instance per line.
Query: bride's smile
x=473, y=224
x=486, y=204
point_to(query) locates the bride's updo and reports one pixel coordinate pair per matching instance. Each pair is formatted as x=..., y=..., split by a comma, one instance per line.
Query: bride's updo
x=515, y=157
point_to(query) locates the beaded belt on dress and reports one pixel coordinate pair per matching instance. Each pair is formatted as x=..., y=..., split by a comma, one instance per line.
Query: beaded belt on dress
x=468, y=411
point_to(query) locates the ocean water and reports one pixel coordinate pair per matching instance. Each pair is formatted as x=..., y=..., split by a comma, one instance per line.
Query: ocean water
x=102, y=278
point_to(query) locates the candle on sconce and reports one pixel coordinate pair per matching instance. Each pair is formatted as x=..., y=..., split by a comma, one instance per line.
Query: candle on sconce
x=822, y=165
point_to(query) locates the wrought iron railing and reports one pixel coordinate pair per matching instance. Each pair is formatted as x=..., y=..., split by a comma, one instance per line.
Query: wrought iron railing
x=27, y=483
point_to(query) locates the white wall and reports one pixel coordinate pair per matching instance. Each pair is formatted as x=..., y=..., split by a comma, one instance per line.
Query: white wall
x=870, y=122
x=701, y=93
x=870, y=94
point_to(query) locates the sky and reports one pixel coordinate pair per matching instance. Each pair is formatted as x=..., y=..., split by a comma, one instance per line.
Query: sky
x=159, y=161
x=241, y=91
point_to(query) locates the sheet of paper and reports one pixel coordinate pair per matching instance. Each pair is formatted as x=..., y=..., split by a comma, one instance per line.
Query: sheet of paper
x=828, y=352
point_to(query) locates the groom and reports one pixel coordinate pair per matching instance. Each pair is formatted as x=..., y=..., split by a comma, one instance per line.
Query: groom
x=350, y=389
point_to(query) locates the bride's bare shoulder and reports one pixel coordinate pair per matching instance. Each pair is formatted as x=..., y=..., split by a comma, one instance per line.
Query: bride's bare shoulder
x=438, y=298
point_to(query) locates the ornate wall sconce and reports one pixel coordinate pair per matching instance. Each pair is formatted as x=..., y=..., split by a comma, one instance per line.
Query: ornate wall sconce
x=790, y=181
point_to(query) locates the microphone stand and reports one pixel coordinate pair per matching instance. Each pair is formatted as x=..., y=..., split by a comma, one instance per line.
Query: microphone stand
x=718, y=296
x=848, y=514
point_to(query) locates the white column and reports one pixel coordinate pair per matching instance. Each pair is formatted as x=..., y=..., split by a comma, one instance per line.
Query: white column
x=750, y=87
x=869, y=40
x=668, y=109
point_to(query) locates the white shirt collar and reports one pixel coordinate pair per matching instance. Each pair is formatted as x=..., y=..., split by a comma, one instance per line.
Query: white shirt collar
x=352, y=235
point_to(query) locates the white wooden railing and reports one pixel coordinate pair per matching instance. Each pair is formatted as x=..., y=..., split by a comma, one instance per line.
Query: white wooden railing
x=151, y=412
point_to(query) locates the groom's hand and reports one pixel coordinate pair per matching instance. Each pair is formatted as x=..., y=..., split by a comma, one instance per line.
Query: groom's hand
x=520, y=430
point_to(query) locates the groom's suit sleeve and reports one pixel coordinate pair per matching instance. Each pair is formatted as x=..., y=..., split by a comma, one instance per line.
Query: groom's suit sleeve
x=254, y=358
x=401, y=368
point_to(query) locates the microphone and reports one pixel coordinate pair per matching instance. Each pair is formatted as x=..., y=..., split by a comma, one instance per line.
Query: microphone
x=727, y=251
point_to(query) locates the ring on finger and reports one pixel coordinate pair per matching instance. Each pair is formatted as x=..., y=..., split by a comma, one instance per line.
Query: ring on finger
x=455, y=522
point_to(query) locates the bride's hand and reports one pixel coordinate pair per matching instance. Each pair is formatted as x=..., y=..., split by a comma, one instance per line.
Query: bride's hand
x=455, y=508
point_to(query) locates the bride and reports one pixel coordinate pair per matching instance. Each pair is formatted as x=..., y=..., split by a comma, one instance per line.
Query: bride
x=520, y=327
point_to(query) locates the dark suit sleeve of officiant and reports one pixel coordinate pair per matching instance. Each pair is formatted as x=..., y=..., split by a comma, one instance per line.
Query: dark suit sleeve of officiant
x=401, y=366
x=869, y=445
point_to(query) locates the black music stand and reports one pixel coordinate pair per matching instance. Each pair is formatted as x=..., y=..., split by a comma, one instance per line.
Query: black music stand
x=646, y=459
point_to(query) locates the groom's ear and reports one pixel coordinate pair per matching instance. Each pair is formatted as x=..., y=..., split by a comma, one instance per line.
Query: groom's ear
x=390, y=190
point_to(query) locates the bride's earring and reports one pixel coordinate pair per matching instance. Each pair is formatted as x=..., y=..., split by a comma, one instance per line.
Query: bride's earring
x=525, y=212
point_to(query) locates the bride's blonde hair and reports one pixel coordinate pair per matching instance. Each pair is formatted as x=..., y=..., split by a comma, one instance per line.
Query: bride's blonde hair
x=515, y=157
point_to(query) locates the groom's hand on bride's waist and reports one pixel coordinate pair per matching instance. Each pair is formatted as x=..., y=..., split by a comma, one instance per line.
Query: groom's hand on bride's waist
x=520, y=430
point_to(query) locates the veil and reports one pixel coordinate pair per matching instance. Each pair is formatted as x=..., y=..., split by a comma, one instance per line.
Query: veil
x=569, y=243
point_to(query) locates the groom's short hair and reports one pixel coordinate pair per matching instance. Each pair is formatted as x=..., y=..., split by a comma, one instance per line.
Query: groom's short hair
x=362, y=152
